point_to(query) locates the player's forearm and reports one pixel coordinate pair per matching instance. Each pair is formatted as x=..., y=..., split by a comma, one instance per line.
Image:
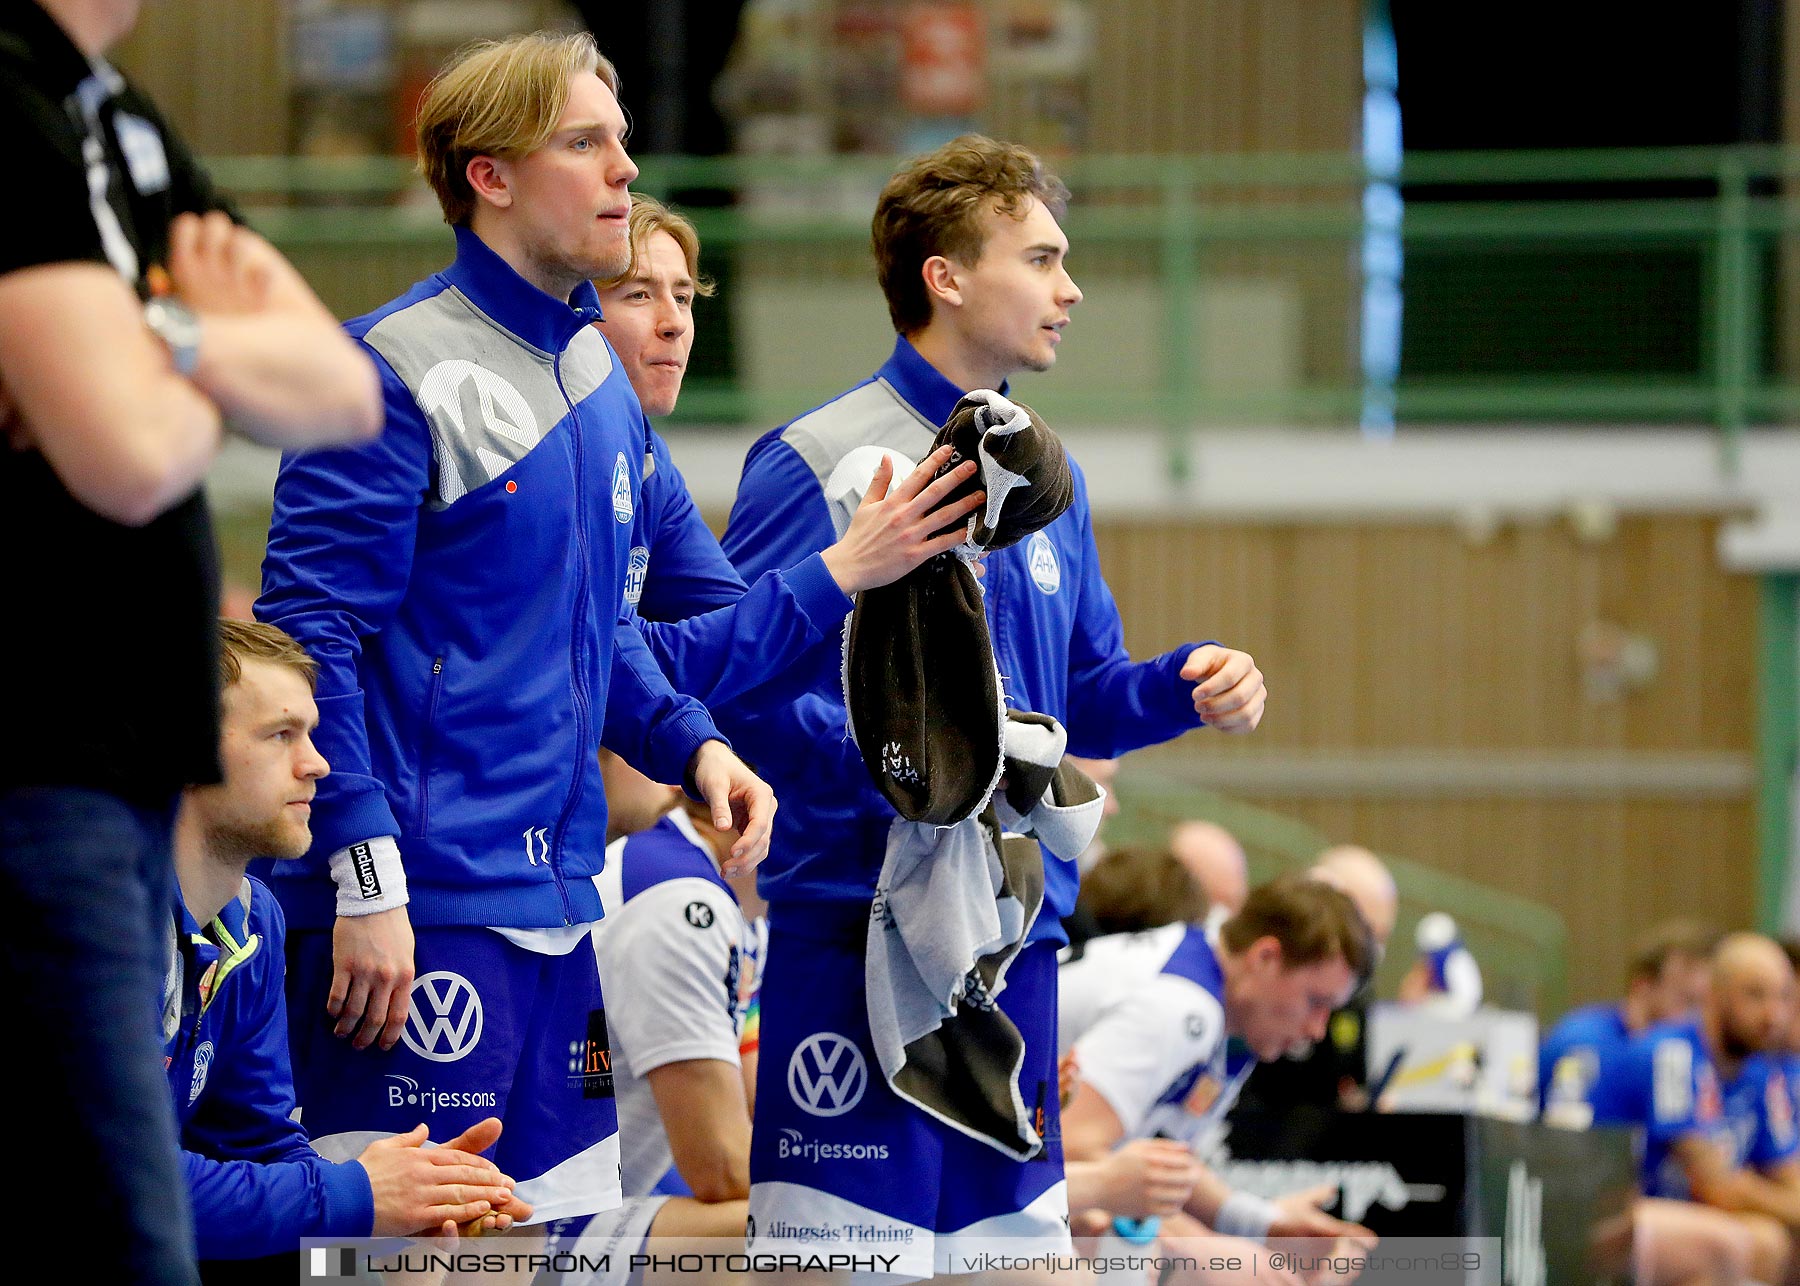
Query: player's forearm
x=1089, y=1188
x=1208, y=1195
x=154, y=459
x=289, y=379
x=1747, y=1192
x=717, y=1167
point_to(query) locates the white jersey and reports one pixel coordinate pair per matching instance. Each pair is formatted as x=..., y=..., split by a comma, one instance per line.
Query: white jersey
x=1145, y=1016
x=671, y=950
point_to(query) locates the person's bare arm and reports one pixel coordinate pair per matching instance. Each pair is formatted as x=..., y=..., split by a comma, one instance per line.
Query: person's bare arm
x=1714, y=1181
x=271, y=356
x=93, y=390
x=751, y=1060
x=1143, y=1179
x=1090, y=1127
x=97, y=393
x=701, y=1102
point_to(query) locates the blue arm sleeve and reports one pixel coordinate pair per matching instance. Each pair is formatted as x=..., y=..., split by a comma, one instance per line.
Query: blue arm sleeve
x=723, y=654
x=651, y=726
x=248, y=1209
x=254, y=1181
x=713, y=638
x=340, y=552
x=780, y=516
x=688, y=573
x=1117, y=704
x=780, y=519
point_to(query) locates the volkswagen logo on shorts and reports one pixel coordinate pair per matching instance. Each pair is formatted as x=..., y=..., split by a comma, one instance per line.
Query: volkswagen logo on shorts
x=827, y=1074
x=444, y=1020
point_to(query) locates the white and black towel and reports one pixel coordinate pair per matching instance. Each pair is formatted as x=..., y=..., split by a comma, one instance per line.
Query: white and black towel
x=962, y=881
x=952, y=908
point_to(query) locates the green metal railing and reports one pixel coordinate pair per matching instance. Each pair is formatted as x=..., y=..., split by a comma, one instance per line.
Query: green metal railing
x=1290, y=216
x=1522, y=945
x=1175, y=226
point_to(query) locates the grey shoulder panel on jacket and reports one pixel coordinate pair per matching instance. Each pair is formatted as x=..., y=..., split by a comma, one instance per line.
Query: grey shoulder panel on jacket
x=871, y=414
x=488, y=396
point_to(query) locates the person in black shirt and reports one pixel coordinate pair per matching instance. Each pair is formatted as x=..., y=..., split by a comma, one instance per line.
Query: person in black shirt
x=137, y=321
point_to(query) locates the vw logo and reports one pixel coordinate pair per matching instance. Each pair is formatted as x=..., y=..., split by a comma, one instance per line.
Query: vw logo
x=444, y=1020
x=827, y=1074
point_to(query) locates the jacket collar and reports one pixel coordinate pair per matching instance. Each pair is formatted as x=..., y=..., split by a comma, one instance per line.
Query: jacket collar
x=200, y=959
x=920, y=383
x=531, y=316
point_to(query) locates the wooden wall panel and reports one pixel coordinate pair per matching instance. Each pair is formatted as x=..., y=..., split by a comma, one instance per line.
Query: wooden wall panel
x=1226, y=75
x=1405, y=635
x=1406, y=643
x=218, y=72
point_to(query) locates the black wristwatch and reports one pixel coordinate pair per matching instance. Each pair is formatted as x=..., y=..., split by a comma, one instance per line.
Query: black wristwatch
x=175, y=324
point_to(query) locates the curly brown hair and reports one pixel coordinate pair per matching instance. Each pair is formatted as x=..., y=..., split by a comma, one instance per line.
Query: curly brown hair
x=934, y=206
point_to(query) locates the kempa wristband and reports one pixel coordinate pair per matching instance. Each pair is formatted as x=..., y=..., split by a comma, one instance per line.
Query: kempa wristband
x=369, y=877
x=1244, y=1214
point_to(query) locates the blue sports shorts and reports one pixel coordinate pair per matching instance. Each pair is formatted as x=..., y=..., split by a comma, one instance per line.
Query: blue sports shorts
x=839, y=1162
x=493, y=1030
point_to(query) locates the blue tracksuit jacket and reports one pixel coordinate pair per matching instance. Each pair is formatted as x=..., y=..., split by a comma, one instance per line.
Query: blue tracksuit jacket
x=715, y=639
x=1057, y=640
x=460, y=582
x=255, y=1183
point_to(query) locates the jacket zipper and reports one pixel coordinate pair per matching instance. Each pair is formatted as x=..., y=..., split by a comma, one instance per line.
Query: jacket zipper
x=578, y=687
x=425, y=743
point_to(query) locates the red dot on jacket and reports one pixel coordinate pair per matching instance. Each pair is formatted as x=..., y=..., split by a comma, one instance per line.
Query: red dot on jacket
x=511, y=487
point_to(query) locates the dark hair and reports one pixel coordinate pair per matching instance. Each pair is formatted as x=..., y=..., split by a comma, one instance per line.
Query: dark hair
x=1668, y=939
x=934, y=206
x=1311, y=920
x=1132, y=889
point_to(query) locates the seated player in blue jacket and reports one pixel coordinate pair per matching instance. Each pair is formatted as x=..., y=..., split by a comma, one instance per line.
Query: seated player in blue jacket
x=1717, y=1119
x=256, y=1184
x=1665, y=981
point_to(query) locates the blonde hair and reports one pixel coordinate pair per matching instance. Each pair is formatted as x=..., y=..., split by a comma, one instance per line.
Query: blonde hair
x=241, y=641
x=498, y=98
x=649, y=217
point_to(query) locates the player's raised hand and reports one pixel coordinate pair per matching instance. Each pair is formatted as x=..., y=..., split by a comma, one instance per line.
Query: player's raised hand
x=1228, y=688
x=891, y=532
